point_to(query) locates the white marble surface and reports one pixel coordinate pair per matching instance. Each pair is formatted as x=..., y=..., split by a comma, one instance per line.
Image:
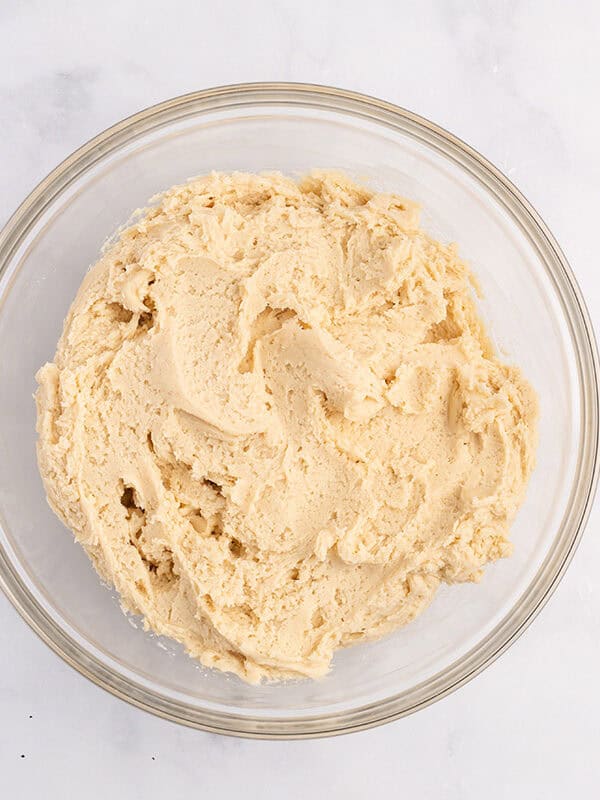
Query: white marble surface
x=519, y=81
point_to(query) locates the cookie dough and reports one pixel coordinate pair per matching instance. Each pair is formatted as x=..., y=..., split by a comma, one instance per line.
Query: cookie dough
x=275, y=422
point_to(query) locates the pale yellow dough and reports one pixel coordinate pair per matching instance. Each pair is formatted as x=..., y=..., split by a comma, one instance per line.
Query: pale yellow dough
x=275, y=422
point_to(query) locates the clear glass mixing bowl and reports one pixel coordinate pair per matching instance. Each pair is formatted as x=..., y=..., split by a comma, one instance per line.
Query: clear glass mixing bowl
x=531, y=303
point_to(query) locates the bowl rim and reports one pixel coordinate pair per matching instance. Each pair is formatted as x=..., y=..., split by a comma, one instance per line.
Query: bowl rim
x=245, y=96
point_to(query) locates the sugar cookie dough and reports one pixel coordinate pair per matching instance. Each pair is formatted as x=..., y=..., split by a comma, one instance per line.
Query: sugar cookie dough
x=275, y=422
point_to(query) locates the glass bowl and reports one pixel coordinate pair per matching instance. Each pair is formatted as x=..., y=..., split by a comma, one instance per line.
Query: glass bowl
x=531, y=303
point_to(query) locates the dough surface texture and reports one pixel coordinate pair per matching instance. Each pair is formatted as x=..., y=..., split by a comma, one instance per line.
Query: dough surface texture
x=275, y=422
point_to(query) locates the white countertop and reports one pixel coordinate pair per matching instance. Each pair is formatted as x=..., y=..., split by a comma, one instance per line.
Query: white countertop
x=520, y=82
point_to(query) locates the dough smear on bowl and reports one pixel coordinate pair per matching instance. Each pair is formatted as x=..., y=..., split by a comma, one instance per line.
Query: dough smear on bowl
x=275, y=422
